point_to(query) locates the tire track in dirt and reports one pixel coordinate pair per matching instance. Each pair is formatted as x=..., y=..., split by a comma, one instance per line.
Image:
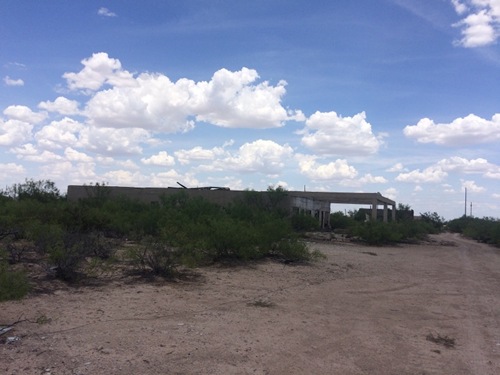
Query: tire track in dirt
x=477, y=278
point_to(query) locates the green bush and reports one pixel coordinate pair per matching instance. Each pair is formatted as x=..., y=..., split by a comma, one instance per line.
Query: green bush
x=459, y=225
x=44, y=236
x=293, y=250
x=413, y=230
x=68, y=233
x=378, y=233
x=227, y=238
x=338, y=220
x=485, y=229
x=67, y=258
x=42, y=191
x=434, y=222
x=248, y=229
x=302, y=222
x=98, y=245
x=155, y=256
x=13, y=284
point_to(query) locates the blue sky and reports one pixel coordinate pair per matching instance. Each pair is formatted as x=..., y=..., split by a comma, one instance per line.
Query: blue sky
x=399, y=97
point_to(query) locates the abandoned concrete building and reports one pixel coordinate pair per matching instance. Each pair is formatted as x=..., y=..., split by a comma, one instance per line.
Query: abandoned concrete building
x=316, y=204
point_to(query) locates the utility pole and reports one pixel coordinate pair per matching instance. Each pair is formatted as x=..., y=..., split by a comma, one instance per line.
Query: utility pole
x=470, y=209
x=465, y=213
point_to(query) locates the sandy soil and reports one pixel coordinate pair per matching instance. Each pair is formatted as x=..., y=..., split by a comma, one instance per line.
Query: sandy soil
x=363, y=310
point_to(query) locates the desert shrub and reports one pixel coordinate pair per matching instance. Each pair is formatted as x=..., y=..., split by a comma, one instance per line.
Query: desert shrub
x=248, y=229
x=66, y=262
x=98, y=245
x=42, y=191
x=435, y=223
x=277, y=197
x=294, y=250
x=185, y=223
x=66, y=250
x=270, y=229
x=16, y=250
x=66, y=256
x=302, y=222
x=155, y=256
x=338, y=220
x=412, y=230
x=459, y=225
x=44, y=236
x=13, y=284
x=485, y=229
x=378, y=233
x=404, y=212
x=227, y=238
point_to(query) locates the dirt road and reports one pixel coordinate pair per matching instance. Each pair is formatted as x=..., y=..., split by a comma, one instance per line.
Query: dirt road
x=415, y=309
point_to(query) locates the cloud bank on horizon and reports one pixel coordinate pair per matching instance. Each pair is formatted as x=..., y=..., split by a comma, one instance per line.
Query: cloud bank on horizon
x=233, y=128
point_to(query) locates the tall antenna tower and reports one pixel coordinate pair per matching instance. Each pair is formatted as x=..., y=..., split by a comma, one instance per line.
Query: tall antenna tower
x=465, y=212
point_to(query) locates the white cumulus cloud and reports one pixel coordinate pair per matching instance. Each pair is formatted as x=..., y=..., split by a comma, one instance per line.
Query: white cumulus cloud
x=151, y=100
x=335, y=170
x=155, y=103
x=18, y=128
x=197, y=154
x=9, y=171
x=262, y=156
x=461, y=131
x=171, y=177
x=481, y=24
x=229, y=99
x=327, y=133
x=455, y=164
x=233, y=99
x=161, y=159
x=398, y=167
x=13, y=82
x=430, y=174
x=59, y=134
x=463, y=165
x=472, y=186
x=25, y=114
x=42, y=157
x=366, y=179
x=494, y=174
x=124, y=177
x=77, y=156
x=110, y=141
x=99, y=69
x=460, y=7
x=14, y=132
x=390, y=193
x=369, y=179
x=61, y=105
